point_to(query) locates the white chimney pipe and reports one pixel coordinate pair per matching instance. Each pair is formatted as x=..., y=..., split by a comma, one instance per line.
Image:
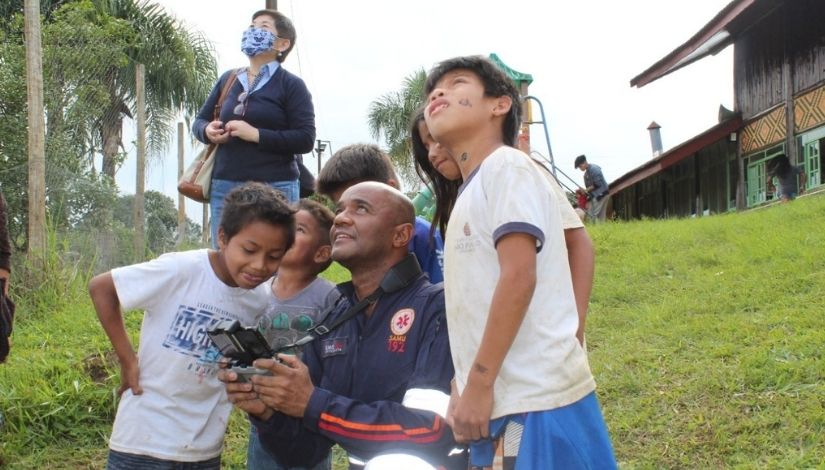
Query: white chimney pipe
x=655, y=138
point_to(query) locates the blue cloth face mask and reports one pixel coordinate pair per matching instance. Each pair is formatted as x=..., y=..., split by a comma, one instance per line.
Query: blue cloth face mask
x=257, y=41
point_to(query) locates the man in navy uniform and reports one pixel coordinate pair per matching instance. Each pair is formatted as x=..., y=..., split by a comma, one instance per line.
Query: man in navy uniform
x=378, y=385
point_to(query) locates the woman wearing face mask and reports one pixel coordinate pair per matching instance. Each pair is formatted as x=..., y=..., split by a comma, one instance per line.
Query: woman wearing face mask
x=266, y=119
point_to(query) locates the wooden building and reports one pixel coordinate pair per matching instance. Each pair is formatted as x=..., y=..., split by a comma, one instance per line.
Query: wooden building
x=779, y=107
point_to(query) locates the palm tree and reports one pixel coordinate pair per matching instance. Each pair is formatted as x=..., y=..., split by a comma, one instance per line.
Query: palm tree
x=389, y=117
x=180, y=71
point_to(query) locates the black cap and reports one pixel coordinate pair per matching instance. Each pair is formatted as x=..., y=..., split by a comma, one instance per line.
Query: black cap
x=579, y=160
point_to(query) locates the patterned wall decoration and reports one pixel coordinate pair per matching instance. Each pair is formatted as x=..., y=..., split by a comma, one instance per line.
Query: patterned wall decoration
x=765, y=131
x=809, y=110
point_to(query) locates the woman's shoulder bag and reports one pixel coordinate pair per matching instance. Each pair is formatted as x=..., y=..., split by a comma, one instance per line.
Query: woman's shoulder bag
x=197, y=179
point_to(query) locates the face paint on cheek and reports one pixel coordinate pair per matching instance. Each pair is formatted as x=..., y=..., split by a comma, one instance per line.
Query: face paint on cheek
x=464, y=157
x=465, y=102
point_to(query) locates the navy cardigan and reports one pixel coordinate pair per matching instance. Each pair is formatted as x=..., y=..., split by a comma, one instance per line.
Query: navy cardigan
x=283, y=113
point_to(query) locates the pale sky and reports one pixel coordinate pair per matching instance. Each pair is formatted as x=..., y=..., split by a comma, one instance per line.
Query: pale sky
x=581, y=54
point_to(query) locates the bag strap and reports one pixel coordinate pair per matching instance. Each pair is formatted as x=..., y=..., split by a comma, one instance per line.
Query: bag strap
x=398, y=277
x=230, y=80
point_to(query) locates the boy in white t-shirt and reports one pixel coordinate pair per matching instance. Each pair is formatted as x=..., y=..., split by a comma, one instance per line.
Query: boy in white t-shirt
x=435, y=167
x=173, y=409
x=522, y=378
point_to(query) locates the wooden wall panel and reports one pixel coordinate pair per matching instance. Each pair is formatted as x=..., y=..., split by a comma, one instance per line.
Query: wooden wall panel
x=807, y=43
x=758, y=57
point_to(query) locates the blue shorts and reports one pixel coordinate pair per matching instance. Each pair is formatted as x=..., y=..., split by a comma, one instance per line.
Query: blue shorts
x=123, y=461
x=570, y=437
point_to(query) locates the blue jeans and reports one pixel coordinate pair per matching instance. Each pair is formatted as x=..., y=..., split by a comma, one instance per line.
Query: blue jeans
x=123, y=461
x=259, y=459
x=219, y=190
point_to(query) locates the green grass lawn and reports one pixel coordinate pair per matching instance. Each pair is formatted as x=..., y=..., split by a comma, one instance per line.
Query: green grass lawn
x=705, y=337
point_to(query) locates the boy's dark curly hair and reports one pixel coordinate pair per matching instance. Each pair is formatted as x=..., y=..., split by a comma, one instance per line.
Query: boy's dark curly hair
x=252, y=202
x=322, y=215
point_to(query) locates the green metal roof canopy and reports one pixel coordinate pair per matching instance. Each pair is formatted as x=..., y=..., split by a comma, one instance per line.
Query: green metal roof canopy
x=517, y=77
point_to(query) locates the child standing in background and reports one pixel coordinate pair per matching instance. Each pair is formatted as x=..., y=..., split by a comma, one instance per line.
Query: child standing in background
x=300, y=300
x=172, y=408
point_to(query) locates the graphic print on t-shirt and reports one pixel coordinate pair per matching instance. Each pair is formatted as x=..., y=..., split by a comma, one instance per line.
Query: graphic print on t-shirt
x=188, y=336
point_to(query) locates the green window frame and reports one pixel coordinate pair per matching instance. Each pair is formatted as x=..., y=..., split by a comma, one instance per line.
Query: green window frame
x=812, y=143
x=756, y=175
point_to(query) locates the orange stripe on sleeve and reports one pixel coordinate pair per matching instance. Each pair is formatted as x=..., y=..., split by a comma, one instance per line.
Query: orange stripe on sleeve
x=380, y=427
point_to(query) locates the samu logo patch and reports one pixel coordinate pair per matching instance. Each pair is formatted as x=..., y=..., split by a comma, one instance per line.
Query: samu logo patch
x=402, y=321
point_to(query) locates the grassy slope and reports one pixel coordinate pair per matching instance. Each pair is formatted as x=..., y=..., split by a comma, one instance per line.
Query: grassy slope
x=705, y=337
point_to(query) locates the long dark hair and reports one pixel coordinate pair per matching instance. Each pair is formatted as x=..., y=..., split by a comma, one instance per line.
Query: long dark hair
x=445, y=191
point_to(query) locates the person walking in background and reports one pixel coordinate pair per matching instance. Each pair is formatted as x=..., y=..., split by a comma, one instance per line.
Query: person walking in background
x=791, y=179
x=596, y=187
x=266, y=119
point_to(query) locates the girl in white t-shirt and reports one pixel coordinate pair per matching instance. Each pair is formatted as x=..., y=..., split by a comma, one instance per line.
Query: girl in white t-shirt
x=172, y=408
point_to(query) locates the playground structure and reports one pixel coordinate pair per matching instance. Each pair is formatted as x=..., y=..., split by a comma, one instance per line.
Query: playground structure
x=423, y=200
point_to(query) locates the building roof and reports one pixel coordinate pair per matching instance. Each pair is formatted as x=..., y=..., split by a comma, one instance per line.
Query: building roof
x=736, y=18
x=677, y=154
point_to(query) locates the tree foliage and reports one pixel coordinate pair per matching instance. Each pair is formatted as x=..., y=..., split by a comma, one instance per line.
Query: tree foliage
x=72, y=48
x=180, y=71
x=161, y=221
x=90, y=48
x=389, y=118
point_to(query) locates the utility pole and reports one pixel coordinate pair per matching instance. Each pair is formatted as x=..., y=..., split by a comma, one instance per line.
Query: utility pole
x=140, y=183
x=37, y=131
x=181, y=200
